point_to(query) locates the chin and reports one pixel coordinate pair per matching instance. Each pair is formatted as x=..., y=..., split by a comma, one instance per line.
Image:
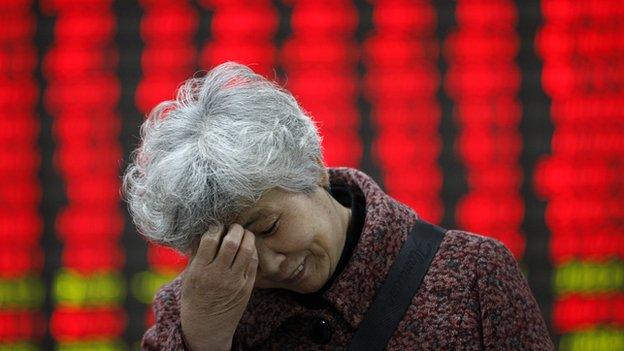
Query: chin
x=305, y=290
x=308, y=287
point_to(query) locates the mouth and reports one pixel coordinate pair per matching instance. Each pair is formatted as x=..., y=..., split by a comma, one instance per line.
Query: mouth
x=298, y=273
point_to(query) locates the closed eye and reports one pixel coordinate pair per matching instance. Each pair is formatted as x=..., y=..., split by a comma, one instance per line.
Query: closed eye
x=272, y=229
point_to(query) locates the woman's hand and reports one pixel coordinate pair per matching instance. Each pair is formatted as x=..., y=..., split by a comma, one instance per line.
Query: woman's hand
x=217, y=287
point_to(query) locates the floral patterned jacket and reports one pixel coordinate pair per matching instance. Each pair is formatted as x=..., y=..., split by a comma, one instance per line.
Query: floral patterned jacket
x=473, y=297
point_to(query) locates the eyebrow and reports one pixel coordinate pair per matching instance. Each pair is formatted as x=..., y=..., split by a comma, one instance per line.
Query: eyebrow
x=254, y=218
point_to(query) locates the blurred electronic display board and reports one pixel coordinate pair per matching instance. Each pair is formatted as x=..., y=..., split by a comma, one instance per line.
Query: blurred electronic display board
x=503, y=118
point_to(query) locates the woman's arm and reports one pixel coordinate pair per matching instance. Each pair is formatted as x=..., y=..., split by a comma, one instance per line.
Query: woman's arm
x=510, y=316
x=202, y=307
x=166, y=333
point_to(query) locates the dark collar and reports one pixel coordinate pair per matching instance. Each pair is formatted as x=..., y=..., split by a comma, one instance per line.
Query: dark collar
x=386, y=227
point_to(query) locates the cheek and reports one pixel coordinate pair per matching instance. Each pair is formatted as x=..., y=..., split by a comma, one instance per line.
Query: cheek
x=295, y=238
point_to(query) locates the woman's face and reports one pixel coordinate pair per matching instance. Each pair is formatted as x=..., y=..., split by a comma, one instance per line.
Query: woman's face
x=294, y=228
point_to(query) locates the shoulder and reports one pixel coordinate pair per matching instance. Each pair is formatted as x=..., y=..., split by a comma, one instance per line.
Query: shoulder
x=468, y=243
x=464, y=243
x=489, y=263
x=456, y=263
x=474, y=254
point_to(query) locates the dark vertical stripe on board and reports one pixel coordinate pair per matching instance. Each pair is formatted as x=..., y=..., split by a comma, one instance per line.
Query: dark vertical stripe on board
x=284, y=12
x=53, y=194
x=129, y=44
x=536, y=129
x=366, y=132
x=204, y=32
x=454, y=184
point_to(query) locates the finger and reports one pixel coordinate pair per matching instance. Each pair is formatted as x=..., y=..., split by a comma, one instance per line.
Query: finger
x=244, y=254
x=209, y=245
x=252, y=270
x=229, y=246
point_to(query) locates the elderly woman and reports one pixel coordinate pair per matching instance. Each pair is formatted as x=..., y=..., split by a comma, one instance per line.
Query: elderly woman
x=288, y=254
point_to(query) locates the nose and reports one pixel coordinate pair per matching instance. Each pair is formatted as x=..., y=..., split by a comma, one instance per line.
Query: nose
x=269, y=261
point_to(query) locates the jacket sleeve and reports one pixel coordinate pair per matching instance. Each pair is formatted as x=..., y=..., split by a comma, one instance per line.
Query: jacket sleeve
x=166, y=333
x=510, y=316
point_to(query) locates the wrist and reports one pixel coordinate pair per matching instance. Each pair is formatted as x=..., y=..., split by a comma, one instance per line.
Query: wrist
x=192, y=344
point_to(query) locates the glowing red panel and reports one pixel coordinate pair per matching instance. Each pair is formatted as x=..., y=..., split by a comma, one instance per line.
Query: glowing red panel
x=82, y=95
x=556, y=177
x=220, y=4
x=26, y=95
x=14, y=164
x=501, y=111
x=320, y=58
x=490, y=14
x=73, y=324
x=154, y=89
x=316, y=19
x=162, y=27
x=75, y=6
x=172, y=61
x=483, y=80
x=94, y=90
x=401, y=84
x=149, y=318
x=469, y=46
x=68, y=63
x=593, y=244
x=336, y=117
x=396, y=51
x=395, y=147
x=479, y=147
x=243, y=34
x=86, y=29
x=322, y=85
x=248, y=21
x=342, y=150
x=89, y=225
x=420, y=112
x=20, y=226
x=258, y=57
x=90, y=258
x=576, y=312
x=18, y=27
x=20, y=260
x=78, y=161
x=583, y=74
x=21, y=325
x=93, y=190
x=21, y=61
x=18, y=127
x=164, y=259
x=317, y=55
x=404, y=17
x=23, y=192
x=473, y=81
x=419, y=178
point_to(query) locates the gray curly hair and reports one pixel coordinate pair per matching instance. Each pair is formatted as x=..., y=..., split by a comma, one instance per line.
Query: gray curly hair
x=211, y=153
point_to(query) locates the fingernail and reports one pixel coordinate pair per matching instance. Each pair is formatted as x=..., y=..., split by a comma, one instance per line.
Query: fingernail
x=214, y=229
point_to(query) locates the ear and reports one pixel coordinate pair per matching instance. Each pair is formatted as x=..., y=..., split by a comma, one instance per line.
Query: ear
x=324, y=181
